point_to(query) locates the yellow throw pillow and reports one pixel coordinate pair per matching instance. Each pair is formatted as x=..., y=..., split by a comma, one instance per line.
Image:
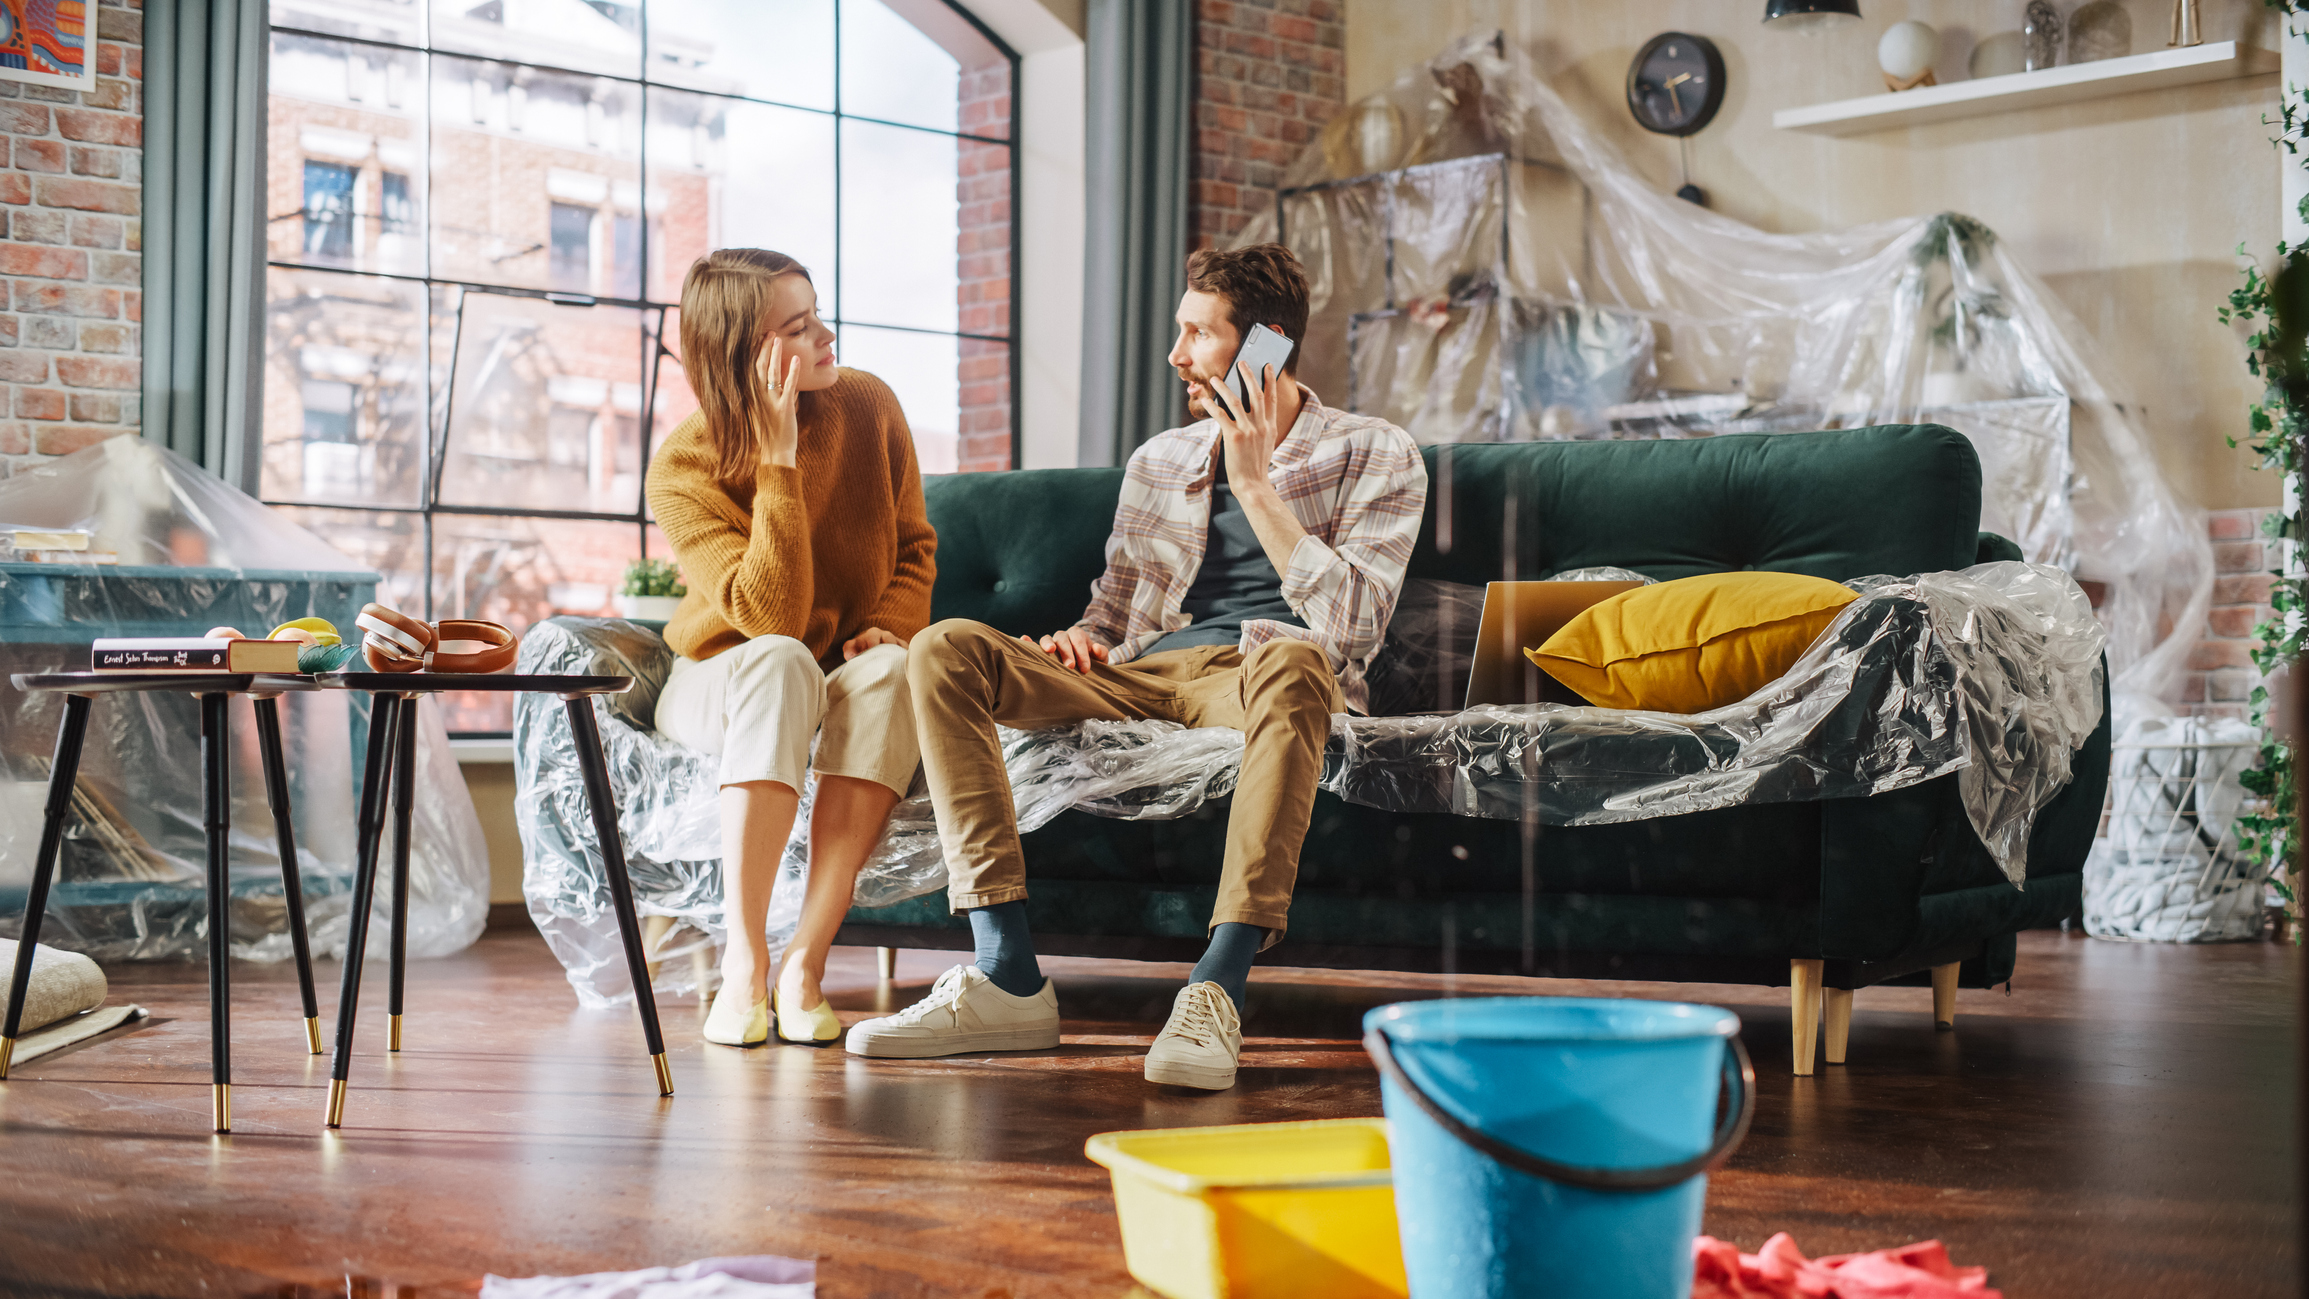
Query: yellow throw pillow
x=1693, y=644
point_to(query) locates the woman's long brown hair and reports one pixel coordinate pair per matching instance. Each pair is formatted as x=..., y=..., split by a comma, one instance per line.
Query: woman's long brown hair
x=724, y=325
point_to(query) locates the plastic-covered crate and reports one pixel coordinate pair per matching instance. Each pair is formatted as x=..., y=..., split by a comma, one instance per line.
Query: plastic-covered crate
x=2170, y=868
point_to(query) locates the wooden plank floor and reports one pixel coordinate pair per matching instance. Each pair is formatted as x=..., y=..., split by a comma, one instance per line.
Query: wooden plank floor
x=2120, y=1125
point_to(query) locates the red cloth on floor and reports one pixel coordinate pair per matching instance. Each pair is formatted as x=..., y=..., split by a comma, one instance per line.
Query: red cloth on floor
x=1780, y=1271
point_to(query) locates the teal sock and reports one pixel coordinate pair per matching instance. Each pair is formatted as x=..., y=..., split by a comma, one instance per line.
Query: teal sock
x=1005, y=948
x=1227, y=961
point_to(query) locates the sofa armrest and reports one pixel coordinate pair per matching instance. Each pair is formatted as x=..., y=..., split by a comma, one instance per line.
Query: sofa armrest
x=605, y=647
x=1994, y=549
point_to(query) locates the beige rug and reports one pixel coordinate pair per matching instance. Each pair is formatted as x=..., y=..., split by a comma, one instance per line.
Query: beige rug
x=65, y=1032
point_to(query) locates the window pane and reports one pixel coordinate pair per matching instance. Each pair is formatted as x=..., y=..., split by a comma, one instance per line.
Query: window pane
x=344, y=404
x=584, y=35
x=529, y=172
x=762, y=49
x=392, y=543
x=544, y=411
x=914, y=62
x=519, y=572
x=899, y=226
x=923, y=370
x=345, y=173
x=725, y=173
x=399, y=21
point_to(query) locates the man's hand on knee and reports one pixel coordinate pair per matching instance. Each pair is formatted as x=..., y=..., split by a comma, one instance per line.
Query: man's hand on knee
x=1074, y=648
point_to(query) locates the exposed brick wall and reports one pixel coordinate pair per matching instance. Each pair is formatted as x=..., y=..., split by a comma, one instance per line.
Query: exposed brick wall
x=71, y=306
x=982, y=251
x=2221, y=672
x=1269, y=74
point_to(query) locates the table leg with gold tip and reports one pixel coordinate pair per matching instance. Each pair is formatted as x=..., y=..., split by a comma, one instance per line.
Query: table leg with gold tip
x=216, y=819
x=404, y=802
x=603, y=804
x=284, y=832
x=370, y=832
x=61, y=773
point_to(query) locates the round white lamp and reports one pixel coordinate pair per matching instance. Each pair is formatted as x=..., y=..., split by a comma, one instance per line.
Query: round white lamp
x=1905, y=53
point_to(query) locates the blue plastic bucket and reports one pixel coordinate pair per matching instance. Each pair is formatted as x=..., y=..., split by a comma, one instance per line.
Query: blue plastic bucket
x=1556, y=1146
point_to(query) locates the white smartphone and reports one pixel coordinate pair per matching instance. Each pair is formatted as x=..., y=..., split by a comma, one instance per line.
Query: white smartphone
x=1262, y=348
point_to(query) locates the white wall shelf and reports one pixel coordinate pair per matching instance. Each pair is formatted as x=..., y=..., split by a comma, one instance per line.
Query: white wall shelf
x=2212, y=61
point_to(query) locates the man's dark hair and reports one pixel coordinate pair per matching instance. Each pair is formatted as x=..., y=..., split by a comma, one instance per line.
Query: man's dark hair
x=1262, y=285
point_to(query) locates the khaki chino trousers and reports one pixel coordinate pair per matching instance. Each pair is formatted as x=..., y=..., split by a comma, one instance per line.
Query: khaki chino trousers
x=966, y=676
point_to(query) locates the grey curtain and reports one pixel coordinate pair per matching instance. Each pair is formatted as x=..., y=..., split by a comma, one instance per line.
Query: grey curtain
x=204, y=231
x=1139, y=69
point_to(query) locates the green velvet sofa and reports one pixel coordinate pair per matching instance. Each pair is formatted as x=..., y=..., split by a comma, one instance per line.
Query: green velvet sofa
x=1838, y=894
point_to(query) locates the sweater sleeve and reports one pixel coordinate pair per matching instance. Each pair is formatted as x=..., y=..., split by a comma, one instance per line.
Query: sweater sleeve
x=757, y=580
x=904, y=608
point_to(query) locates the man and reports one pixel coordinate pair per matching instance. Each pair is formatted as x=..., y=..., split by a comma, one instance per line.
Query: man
x=1255, y=560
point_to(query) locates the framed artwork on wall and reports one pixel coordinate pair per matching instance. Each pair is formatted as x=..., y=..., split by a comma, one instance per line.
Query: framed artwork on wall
x=48, y=43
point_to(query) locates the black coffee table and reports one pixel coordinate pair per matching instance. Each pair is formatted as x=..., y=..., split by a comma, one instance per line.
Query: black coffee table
x=214, y=691
x=393, y=741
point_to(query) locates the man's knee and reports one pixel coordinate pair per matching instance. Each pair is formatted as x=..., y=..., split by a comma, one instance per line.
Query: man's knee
x=944, y=649
x=1285, y=658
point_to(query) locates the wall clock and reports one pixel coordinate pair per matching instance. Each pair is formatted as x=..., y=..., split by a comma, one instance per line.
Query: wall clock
x=1676, y=83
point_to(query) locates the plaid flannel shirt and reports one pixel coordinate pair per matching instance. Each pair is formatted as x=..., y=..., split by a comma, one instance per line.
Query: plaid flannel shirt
x=1354, y=482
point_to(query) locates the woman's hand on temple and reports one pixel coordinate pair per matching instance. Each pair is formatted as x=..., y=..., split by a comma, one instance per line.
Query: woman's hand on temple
x=867, y=640
x=777, y=425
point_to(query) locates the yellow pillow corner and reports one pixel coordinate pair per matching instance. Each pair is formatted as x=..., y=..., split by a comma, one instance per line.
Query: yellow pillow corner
x=1693, y=644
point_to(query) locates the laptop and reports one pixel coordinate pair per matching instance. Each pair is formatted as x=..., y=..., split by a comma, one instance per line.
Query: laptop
x=1517, y=615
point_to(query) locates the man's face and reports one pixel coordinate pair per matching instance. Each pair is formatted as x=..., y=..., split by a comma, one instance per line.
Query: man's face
x=1208, y=341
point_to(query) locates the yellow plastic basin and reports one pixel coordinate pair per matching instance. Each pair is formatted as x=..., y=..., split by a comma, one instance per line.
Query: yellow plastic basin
x=1257, y=1211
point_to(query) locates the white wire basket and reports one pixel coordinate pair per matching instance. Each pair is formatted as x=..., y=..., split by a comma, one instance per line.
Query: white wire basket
x=2169, y=868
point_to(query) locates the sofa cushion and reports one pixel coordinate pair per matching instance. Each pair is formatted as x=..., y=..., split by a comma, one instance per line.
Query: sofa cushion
x=1019, y=551
x=1692, y=644
x=1818, y=503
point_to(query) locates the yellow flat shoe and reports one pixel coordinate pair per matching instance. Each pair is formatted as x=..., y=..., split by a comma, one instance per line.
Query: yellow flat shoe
x=816, y=1026
x=730, y=1026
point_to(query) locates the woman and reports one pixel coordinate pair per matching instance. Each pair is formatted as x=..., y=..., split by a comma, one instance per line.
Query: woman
x=795, y=510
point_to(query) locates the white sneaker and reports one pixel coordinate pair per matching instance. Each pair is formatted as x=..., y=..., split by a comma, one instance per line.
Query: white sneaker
x=964, y=1013
x=1200, y=1044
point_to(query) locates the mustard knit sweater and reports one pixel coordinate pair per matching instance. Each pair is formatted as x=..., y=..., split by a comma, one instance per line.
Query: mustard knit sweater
x=819, y=552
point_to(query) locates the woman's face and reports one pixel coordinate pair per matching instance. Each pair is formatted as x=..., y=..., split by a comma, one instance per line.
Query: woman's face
x=796, y=330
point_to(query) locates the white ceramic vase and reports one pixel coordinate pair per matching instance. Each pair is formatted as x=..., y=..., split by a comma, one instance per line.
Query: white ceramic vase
x=648, y=608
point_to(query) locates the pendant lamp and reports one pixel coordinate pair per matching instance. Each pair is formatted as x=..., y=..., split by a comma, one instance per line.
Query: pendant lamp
x=1809, y=15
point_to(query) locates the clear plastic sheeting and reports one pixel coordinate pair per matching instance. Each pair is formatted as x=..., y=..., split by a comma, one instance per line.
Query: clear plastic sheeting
x=1993, y=672
x=2170, y=868
x=167, y=549
x=1487, y=267
x=669, y=818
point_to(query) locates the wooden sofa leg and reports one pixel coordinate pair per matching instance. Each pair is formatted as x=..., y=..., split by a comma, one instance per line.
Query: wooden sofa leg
x=1836, y=1005
x=886, y=962
x=653, y=932
x=1804, y=1012
x=1944, y=995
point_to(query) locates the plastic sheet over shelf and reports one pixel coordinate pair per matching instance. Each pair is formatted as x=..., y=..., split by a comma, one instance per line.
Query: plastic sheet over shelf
x=1486, y=266
x=189, y=553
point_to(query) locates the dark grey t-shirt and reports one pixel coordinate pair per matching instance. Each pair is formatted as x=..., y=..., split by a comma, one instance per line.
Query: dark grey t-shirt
x=1236, y=582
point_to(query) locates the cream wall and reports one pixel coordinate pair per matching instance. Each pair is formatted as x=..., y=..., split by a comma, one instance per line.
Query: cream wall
x=2130, y=207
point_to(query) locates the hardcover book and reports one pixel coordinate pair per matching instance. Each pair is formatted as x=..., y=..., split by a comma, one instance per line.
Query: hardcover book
x=192, y=654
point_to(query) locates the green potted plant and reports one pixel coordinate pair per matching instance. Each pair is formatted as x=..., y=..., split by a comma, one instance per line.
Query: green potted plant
x=653, y=590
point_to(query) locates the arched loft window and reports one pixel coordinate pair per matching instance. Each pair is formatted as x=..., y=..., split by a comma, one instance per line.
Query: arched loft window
x=479, y=215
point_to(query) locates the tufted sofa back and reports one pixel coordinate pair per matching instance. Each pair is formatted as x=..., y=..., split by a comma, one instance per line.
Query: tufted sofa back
x=1019, y=550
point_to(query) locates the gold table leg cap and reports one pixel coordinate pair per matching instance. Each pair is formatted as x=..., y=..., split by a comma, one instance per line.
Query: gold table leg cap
x=313, y=1034
x=392, y=1032
x=220, y=1105
x=7, y=1050
x=336, y=1102
x=664, y=1074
